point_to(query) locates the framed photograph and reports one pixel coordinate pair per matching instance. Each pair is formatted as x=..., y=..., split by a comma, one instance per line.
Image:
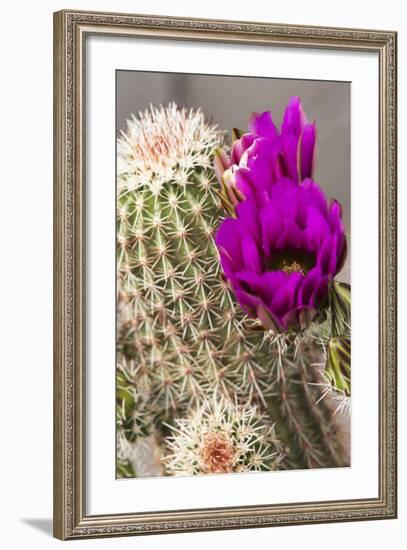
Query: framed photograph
x=225, y=274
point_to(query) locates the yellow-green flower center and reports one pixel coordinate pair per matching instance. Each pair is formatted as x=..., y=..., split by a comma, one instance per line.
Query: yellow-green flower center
x=291, y=261
x=291, y=267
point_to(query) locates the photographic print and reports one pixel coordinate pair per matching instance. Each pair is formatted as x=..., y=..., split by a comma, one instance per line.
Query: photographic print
x=221, y=189
x=233, y=274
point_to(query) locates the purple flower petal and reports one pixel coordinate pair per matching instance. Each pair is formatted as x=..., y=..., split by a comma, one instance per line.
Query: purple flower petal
x=286, y=294
x=320, y=295
x=247, y=140
x=247, y=301
x=336, y=225
x=260, y=163
x=317, y=229
x=271, y=225
x=342, y=255
x=290, y=148
x=292, y=237
x=244, y=182
x=294, y=118
x=264, y=286
x=237, y=152
x=240, y=146
x=309, y=286
x=307, y=151
x=327, y=257
x=251, y=254
x=247, y=213
x=262, y=125
x=227, y=240
x=314, y=195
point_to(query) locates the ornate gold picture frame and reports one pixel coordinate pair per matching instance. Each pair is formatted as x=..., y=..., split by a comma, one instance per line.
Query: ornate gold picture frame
x=71, y=31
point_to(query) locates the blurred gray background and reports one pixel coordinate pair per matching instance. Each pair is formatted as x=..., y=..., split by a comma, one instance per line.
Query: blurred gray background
x=229, y=100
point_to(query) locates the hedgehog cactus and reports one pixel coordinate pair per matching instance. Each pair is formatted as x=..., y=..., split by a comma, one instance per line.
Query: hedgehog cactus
x=181, y=333
x=178, y=326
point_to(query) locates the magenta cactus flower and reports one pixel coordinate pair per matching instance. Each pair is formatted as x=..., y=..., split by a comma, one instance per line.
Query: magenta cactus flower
x=280, y=253
x=264, y=155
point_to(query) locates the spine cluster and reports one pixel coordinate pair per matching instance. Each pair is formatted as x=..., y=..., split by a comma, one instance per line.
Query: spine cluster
x=221, y=436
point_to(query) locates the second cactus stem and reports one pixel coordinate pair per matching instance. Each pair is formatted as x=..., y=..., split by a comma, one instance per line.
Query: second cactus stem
x=306, y=417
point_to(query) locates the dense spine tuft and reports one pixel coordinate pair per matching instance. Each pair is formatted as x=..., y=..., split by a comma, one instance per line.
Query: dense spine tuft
x=221, y=436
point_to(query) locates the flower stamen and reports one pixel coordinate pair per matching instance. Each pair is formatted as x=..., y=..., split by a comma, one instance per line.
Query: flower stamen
x=292, y=267
x=292, y=261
